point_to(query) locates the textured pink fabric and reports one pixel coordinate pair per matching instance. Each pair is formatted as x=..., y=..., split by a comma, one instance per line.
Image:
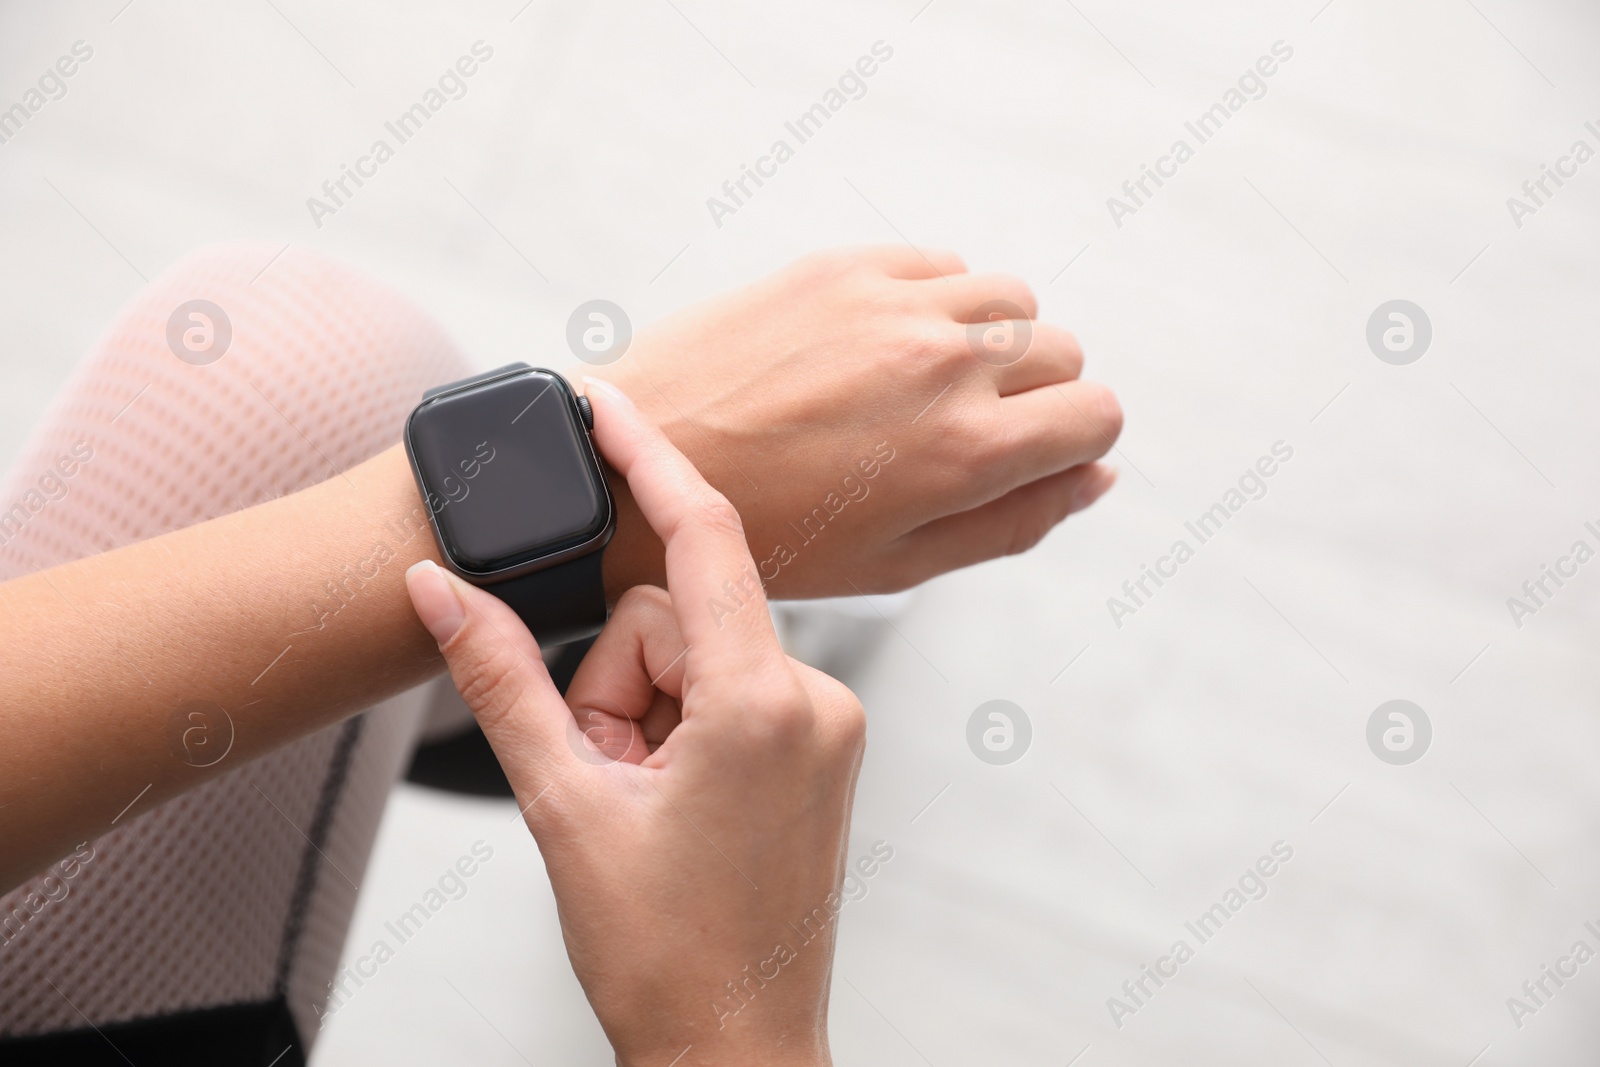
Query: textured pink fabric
x=215, y=897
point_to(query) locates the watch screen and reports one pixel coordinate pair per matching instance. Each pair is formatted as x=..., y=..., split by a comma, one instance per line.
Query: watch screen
x=508, y=472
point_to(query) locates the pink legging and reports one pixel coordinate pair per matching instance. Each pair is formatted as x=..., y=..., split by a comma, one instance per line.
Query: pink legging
x=218, y=897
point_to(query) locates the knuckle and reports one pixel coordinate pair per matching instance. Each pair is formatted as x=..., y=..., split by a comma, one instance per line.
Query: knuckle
x=716, y=512
x=877, y=304
x=642, y=599
x=972, y=437
x=1005, y=289
x=791, y=714
x=897, y=572
x=783, y=716
x=1071, y=345
x=1103, y=409
x=960, y=452
x=1064, y=346
x=927, y=341
x=553, y=816
x=837, y=717
x=1093, y=422
x=1020, y=293
x=850, y=724
x=1029, y=529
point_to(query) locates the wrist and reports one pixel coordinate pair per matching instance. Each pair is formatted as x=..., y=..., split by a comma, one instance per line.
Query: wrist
x=635, y=555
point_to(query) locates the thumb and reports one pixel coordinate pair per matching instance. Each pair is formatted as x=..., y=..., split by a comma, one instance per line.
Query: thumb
x=495, y=664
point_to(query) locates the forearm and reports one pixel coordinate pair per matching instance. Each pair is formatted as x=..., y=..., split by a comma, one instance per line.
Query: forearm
x=287, y=616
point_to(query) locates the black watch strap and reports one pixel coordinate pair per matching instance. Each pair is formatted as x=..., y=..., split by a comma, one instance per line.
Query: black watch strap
x=559, y=604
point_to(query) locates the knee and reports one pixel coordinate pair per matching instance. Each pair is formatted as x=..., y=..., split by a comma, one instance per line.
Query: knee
x=287, y=338
x=292, y=307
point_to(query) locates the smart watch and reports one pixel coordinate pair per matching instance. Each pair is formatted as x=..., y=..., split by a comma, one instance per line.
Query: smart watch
x=516, y=494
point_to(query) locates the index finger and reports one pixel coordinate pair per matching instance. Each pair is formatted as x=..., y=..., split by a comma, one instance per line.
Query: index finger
x=716, y=592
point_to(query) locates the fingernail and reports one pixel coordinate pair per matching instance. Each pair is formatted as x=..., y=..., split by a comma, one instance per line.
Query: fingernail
x=600, y=385
x=435, y=602
x=1093, y=488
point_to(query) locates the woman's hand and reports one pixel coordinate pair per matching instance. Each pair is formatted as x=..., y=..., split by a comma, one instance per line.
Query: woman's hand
x=846, y=408
x=693, y=803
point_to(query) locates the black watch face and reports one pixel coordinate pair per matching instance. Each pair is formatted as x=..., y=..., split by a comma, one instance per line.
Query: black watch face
x=508, y=471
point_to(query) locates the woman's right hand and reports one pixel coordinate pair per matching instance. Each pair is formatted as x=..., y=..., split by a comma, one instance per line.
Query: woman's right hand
x=691, y=795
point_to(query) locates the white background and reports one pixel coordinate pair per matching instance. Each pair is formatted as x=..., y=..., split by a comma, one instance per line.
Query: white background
x=1227, y=313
